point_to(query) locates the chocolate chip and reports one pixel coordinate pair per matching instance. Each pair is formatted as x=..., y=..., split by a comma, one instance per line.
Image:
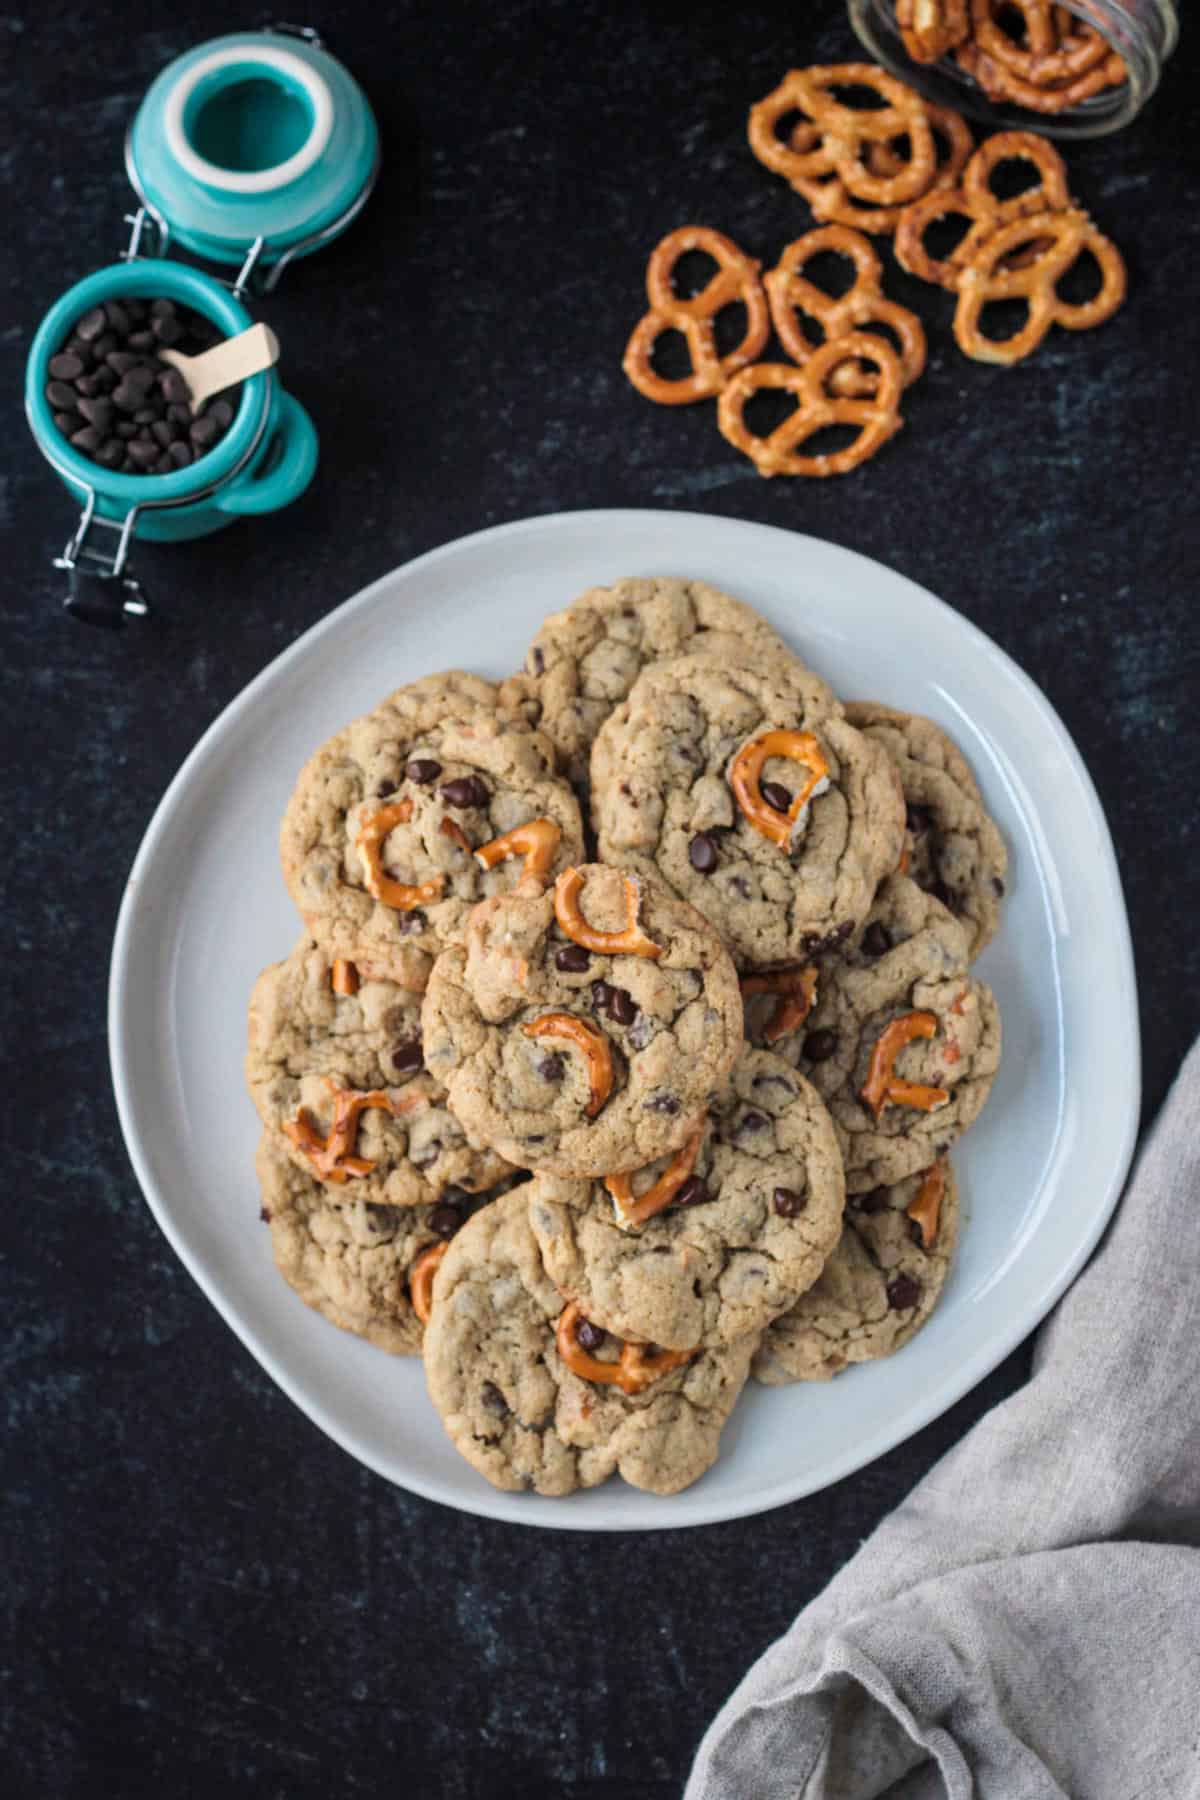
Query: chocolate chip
x=819, y=1046
x=552, y=1068
x=873, y=1202
x=380, y=1218
x=407, y=1056
x=148, y=414
x=141, y=340
x=998, y=886
x=264, y=1215
x=466, y=790
x=88, y=440
x=445, y=1219
x=174, y=388
x=538, y=661
x=589, y=1336
x=601, y=992
x=941, y=892
x=66, y=366
x=491, y=1397
x=572, y=959
x=203, y=432
x=918, y=819
x=98, y=413
x=61, y=396
x=164, y=433
x=775, y=795
x=662, y=1103
x=167, y=331
x=91, y=326
x=788, y=1203
x=111, y=454
x=159, y=309
x=692, y=1193
x=179, y=455
x=751, y=1122
x=413, y=921
x=422, y=770
x=876, y=940
x=221, y=412
x=66, y=422
x=903, y=1293
x=702, y=853
x=143, y=453
x=622, y=1008
x=741, y=887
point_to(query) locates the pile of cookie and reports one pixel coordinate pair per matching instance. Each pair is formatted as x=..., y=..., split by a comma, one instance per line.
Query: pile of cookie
x=1031, y=53
x=630, y=1027
x=897, y=169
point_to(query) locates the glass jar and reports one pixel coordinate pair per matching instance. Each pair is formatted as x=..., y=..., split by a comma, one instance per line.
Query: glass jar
x=1142, y=32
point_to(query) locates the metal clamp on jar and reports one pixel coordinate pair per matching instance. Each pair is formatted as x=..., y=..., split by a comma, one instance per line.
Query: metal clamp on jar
x=249, y=152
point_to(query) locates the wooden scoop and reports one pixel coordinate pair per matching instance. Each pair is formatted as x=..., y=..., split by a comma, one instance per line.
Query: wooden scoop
x=227, y=363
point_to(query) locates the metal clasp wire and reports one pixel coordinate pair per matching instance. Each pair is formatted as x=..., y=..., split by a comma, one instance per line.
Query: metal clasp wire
x=107, y=566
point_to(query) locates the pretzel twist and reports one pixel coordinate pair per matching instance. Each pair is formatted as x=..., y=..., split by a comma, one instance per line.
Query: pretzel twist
x=796, y=991
x=736, y=280
x=1060, y=238
x=882, y=1086
x=790, y=292
x=592, y=1045
x=537, y=841
x=634, y=1370
x=636, y=1210
x=931, y=27
x=633, y=941
x=376, y=827
x=877, y=415
x=925, y=1210
x=420, y=1280
x=976, y=200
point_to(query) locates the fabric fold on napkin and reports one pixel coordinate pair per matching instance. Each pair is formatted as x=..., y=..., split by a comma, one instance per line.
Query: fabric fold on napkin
x=1027, y=1622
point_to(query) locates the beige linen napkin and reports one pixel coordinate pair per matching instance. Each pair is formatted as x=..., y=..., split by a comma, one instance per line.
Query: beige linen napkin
x=1027, y=1623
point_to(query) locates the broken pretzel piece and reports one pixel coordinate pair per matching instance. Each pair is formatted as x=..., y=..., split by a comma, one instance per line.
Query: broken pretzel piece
x=636, y=1210
x=882, y=1087
x=636, y=1369
x=926, y=1208
x=797, y=993
x=375, y=830
x=537, y=841
x=630, y=942
x=747, y=766
x=592, y=1045
x=420, y=1280
x=332, y=1156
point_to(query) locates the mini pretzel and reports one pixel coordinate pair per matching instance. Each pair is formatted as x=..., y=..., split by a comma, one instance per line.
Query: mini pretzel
x=830, y=199
x=376, y=828
x=635, y=1369
x=592, y=1044
x=877, y=415
x=975, y=199
x=536, y=841
x=845, y=130
x=883, y=1088
x=736, y=280
x=931, y=27
x=331, y=1156
x=635, y=1210
x=797, y=993
x=992, y=275
x=343, y=977
x=420, y=1280
x=630, y=942
x=789, y=292
x=926, y=1208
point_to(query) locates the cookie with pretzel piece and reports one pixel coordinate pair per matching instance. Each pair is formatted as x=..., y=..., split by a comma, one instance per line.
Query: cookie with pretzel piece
x=583, y=1030
x=536, y=1397
x=335, y=1068
x=403, y=822
x=585, y=659
x=361, y=1264
x=952, y=846
x=745, y=789
x=877, y=1289
x=903, y=1044
x=718, y=1239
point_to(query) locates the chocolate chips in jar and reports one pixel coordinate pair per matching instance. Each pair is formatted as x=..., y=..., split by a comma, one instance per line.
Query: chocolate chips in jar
x=120, y=404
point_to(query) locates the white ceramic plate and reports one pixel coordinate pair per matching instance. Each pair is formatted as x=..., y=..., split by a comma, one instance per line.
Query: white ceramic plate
x=205, y=909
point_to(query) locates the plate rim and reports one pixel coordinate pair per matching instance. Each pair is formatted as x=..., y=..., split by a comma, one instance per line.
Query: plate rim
x=969, y=1371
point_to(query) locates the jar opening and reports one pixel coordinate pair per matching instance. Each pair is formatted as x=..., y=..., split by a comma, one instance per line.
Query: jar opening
x=250, y=125
x=248, y=121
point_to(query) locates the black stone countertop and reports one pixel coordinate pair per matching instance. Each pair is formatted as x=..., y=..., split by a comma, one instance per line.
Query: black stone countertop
x=201, y=1594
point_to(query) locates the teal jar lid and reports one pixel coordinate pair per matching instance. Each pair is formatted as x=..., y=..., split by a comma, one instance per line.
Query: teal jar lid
x=257, y=145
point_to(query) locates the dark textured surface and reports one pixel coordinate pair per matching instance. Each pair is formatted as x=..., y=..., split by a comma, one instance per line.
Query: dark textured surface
x=201, y=1594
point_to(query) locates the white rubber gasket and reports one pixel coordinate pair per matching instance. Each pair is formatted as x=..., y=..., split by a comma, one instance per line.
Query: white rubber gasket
x=268, y=61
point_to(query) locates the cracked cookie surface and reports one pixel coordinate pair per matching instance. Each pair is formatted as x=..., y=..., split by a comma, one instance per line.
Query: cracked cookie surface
x=519, y=1415
x=954, y=847
x=585, y=659
x=352, y=1259
x=875, y=1292
x=757, y=1215
x=909, y=959
x=399, y=802
x=670, y=795
x=670, y=1026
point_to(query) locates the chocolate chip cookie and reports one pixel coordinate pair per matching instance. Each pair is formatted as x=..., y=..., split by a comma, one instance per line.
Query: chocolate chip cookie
x=745, y=789
x=877, y=1289
x=582, y=1031
x=525, y=1417
x=404, y=821
x=718, y=1240
x=584, y=660
x=349, y=1258
x=902, y=1044
x=954, y=849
